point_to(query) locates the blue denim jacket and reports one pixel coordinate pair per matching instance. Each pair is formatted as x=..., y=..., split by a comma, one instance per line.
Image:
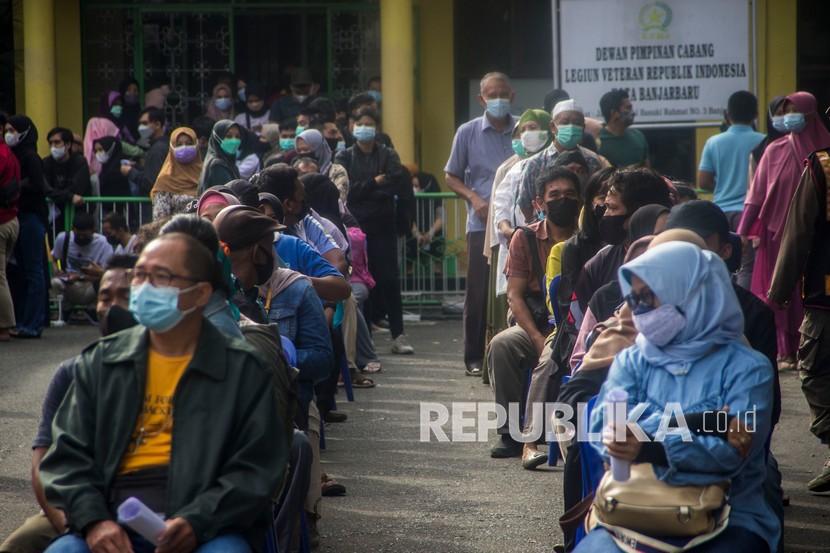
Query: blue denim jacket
x=301, y=319
x=732, y=375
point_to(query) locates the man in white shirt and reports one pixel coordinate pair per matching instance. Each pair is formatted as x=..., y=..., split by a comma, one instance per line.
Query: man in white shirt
x=118, y=234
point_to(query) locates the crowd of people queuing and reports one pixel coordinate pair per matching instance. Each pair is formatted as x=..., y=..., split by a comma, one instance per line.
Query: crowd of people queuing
x=590, y=273
x=250, y=294
x=273, y=247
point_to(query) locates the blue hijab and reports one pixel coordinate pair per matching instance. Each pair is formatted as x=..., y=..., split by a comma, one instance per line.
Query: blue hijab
x=696, y=282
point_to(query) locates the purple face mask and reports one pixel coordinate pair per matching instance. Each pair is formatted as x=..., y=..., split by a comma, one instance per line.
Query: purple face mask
x=185, y=153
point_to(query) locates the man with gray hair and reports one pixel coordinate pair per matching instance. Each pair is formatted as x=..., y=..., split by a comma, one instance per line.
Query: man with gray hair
x=479, y=147
x=567, y=126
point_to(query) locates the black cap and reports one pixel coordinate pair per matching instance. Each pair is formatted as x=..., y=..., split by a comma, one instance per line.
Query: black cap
x=701, y=217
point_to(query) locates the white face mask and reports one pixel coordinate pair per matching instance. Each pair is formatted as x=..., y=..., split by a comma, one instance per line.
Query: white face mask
x=57, y=152
x=12, y=139
x=533, y=141
x=102, y=157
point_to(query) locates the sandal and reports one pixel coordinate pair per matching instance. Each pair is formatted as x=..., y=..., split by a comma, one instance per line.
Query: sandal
x=372, y=367
x=363, y=382
x=329, y=487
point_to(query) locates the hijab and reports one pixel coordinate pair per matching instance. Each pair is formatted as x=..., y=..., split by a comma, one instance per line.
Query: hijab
x=643, y=220
x=176, y=177
x=698, y=284
x=542, y=118
x=111, y=181
x=616, y=334
x=319, y=148
x=97, y=127
x=255, y=89
x=781, y=166
x=28, y=134
x=772, y=133
x=215, y=153
x=132, y=111
x=214, y=197
x=324, y=198
x=214, y=112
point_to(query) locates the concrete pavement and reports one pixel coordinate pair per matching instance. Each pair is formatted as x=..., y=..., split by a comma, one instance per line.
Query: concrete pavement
x=404, y=495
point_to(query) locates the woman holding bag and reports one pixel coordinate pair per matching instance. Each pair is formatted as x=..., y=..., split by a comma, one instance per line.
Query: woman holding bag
x=690, y=354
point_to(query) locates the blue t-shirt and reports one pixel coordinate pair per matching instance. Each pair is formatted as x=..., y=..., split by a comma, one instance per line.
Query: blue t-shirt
x=313, y=233
x=298, y=256
x=726, y=155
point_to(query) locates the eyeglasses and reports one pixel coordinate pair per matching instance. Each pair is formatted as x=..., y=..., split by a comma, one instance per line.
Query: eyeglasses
x=641, y=302
x=158, y=277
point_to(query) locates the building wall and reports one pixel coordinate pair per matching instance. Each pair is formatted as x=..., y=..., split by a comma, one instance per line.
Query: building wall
x=435, y=115
x=70, y=89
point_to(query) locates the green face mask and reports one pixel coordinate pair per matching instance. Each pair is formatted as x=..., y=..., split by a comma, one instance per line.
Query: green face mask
x=231, y=145
x=287, y=144
x=299, y=130
x=116, y=111
x=569, y=136
x=519, y=148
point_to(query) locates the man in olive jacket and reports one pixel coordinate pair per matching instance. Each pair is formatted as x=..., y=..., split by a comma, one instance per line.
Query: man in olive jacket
x=210, y=470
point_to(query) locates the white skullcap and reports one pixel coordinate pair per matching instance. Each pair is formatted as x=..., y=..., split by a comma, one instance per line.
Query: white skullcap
x=565, y=105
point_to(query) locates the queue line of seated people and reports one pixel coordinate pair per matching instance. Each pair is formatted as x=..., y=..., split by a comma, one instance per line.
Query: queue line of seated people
x=582, y=285
x=274, y=262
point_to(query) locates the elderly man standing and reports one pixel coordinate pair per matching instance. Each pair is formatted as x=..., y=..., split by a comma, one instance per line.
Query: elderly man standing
x=567, y=126
x=479, y=147
x=213, y=473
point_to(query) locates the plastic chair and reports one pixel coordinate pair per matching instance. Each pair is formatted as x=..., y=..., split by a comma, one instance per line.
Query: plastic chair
x=347, y=378
x=289, y=350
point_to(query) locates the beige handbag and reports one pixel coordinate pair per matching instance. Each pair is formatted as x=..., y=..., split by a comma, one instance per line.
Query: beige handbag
x=649, y=506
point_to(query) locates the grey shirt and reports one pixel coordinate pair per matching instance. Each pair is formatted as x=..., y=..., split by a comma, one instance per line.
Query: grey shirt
x=477, y=151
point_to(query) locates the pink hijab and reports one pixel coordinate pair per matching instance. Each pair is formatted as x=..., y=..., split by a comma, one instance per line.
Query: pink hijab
x=97, y=127
x=779, y=171
x=214, y=112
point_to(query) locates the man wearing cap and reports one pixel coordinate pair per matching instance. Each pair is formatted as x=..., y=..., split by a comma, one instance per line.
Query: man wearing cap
x=567, y=127
x=303, y=91
x=479, y=147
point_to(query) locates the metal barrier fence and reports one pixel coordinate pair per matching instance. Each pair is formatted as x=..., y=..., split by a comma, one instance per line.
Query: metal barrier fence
x=432, y=269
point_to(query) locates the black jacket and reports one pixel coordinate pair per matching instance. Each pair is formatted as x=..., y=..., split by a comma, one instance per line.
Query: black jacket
x=67, y=178
x=378, y=207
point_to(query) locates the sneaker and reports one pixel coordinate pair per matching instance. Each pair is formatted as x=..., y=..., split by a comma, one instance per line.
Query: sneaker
x=821, y=483
x=401, y=346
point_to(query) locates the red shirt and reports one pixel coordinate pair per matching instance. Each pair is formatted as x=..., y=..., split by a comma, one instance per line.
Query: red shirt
x=9, y=172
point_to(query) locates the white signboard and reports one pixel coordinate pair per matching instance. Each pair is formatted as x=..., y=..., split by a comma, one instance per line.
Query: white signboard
x=679, y=59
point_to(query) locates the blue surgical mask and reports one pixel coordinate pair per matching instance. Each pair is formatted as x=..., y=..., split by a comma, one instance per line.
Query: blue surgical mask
x=794, y=122
x=498, y=107
x=223, y=104
x=300, y=129
x=287, y=144
x=778, y=124
x=116, y=111
x=364, y=133
x=376, y=95
x=341, y=145
x=157, y=307
x=569, y=136
x=519, y=148
x=660, y=325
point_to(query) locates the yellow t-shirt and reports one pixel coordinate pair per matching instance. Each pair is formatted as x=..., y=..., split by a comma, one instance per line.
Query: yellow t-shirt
x=152, y=436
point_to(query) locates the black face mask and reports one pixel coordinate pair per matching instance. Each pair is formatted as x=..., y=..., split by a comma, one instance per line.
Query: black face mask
x=83, y=240
x=264, y=270
x=563, y=212
x=612, y=229
x=332, y=142
x=113, y=240
x=116, y=320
